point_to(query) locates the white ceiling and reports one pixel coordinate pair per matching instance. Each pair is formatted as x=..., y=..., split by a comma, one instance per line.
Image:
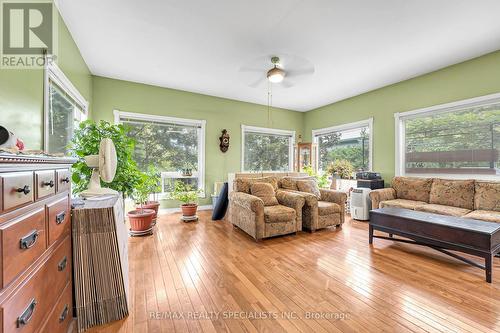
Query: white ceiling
x=354, y=45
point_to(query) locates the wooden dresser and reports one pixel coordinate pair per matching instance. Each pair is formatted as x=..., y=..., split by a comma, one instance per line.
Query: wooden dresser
x=35, y=243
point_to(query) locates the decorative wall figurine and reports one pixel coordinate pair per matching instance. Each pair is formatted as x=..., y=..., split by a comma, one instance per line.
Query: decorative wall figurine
x=224, y=141
x=9, y=141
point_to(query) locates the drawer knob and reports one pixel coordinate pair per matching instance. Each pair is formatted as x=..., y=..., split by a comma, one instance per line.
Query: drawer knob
x=64, y=313
x=60, y=217
x=65, y=180
x=62, y=264
x=26, y=190
x=49, y=184
x=27, y=314
x=29, y=240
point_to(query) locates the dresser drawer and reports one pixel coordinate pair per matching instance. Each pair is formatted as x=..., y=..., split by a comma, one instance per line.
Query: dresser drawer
x=58, y=219
x=28, y=307
x=22, y=242
x=63, y=178
x=62, y=314
x=17, y=189
x=45, y=184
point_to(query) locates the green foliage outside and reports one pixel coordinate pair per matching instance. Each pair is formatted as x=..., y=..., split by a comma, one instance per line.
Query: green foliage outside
x=184, y=193
x=355, y=150
x=321, y=179
x=266, y=152
x=86, y=141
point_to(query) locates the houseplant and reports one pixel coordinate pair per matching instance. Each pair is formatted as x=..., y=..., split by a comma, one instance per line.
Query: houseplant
x=342, y=169
x=186, y=194
x=140, y=219
x=150, y=185
x=321, y=180
x=86, y=141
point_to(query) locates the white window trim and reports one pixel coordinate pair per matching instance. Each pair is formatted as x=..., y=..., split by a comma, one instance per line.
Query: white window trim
x=271, y=131
x=344, y=127
x=400, y=117
x=179, y=121
x=53, y=73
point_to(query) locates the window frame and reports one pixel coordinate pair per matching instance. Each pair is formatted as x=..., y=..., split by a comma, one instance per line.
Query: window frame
x=460, y=105
x=177, y=121
x=268, y=131
x=53, y=73
x=344, y=127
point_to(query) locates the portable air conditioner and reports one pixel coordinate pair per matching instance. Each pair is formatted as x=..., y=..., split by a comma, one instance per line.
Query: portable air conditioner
x=361, y=204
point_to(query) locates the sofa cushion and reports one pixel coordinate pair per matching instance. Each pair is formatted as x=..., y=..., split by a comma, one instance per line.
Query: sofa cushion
x=290, y=183
x=484, y=215
x=487, y=196
x=402, y=203
x=279, y=213
x=409, y=188
x=328, y=208
x=457, y=193
x=243, y=184
x=264, y=191
x=309, y=186
x=443, y=210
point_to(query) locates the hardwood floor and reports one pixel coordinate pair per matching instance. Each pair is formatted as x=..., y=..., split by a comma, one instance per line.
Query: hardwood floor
x=328, y=281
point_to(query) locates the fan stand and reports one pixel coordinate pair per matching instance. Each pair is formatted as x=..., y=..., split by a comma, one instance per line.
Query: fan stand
x=95, y=188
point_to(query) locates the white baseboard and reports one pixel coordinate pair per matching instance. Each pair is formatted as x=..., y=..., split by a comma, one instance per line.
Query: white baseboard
x=178, y=209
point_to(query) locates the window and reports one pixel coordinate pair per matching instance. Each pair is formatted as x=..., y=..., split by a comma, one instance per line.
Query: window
x=351, y=142
x=460, y=139
x=170, y=144
x=64, y=108
x=266, y=149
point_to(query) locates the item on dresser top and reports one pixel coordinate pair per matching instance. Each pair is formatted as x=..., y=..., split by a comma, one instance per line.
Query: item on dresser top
x=101, y=281
x=35, y=233
x=103, y=168
x=9, y=140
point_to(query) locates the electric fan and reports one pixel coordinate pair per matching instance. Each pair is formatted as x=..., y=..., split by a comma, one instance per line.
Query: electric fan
x=103, y=167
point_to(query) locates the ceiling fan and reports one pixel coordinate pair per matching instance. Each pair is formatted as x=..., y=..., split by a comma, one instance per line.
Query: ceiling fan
x=285, y=70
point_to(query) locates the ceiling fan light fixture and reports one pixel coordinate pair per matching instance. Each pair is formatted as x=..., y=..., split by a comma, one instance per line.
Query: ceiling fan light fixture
x=275, y=75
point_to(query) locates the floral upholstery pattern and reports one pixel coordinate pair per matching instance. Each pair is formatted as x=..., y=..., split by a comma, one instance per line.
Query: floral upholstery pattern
x=328, y=208
x=402, y=203
x=279, y=228
x=487, y=196
x=456, y=193
x=484, y=215
x=443, y=210
x=244, y=184
x=278, y=213
x=409, y=188
x=382, y=194
x=290, y=183
x=265, y=192
x=309, y=186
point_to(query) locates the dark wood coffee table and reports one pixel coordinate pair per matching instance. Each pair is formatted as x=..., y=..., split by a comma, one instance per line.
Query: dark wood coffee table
x=441, y=233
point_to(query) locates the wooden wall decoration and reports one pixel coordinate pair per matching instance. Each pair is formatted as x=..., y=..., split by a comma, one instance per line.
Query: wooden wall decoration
x=224, y=141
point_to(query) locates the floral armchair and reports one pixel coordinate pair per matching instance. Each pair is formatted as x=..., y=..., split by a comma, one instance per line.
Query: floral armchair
x=260, y=219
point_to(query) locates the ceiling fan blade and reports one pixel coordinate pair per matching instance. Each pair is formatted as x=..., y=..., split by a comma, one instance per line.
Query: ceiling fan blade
x=286, y=84
x=256, y=83
x=300, y=72
x=251, y=69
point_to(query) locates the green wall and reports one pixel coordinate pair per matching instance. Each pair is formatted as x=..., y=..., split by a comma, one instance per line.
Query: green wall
x=109, y=94
x=21, y=90
x=476, y=77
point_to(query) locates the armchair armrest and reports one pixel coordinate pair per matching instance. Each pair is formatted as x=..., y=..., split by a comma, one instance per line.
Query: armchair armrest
x=337, y=197
x=292, y=200
x=383, y=194
x=247, y=201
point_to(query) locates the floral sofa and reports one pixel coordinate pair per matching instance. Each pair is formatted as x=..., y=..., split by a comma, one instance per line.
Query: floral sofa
x=261, y=214
x=474, y=199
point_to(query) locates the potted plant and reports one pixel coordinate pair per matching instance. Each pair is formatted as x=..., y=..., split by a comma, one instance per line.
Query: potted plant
x=151, y=183
x=140, y=219
x=341, y=171
x=186, y=194
x=321, y=180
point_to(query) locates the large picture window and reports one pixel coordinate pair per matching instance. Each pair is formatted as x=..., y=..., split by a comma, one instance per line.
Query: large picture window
x=64, y=108
x=460, y=139
x=266, y=149
x=351, y=142
x=175, y=146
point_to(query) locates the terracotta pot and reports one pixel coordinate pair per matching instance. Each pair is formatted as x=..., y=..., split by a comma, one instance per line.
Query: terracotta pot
x=140, y=220
x=189, y=209
x=154, y=205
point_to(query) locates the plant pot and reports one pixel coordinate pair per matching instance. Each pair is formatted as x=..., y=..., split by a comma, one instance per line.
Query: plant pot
x=154, y=205
x=140, y=219
x=189, y=209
